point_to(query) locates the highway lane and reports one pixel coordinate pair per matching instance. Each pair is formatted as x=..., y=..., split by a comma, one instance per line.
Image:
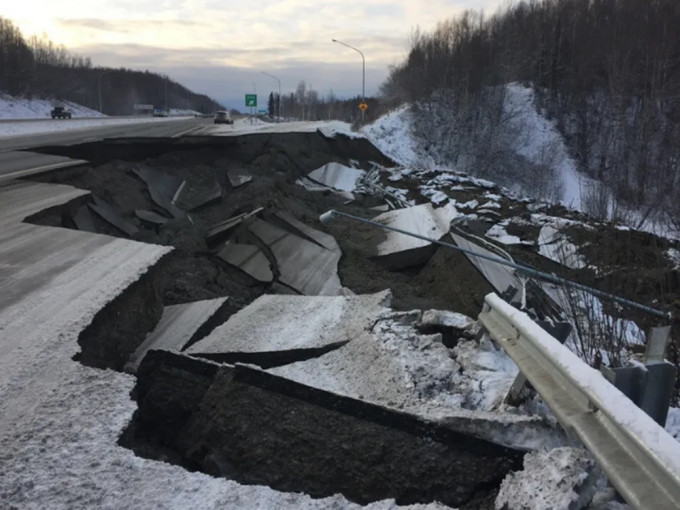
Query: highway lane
x=162, y=128
x=17, y=164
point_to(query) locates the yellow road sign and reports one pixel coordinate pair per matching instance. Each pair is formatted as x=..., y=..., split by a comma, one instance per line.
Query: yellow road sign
x=363, y=106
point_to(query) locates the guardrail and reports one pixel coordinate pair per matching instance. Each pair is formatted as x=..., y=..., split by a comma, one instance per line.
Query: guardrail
x=639, y=457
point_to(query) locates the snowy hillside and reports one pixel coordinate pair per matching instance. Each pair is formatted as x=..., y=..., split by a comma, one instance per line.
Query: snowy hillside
x=535, y=138
x=529, y=137
x=22, y=108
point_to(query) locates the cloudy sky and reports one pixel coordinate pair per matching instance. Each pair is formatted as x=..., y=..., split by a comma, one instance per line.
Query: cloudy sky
x=221, y=47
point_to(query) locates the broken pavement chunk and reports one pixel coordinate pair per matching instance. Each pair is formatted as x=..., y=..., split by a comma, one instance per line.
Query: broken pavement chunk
x=290, y=223
x=555, y=245
x=166, y=184
x=151, y=217
x=303, y=265
x=163, y=188
x=399, y=251
x=256, y=428
x=238, y=177
x=210, y=198
x=220, y=230
x=177, y=327
x=110, y=215
x=249, y=259
x=83, y=219
x=337, y=176
x=273, y=325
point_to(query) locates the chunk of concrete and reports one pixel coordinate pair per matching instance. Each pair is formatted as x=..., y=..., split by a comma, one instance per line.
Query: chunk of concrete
x=83, y=219
x=276, y=329
x=206, y=199
x=178, y=326
x=399, y=251
x=292, y=224
x=222, y=229
x=555, y=245
x=337, y=176
x=500, y=277
x=248, y=258
x=151, y=217
x=305, y=266
x=106, y=211
x=165, y=184
x=163, y=188
x=238, y=177
x=255, y=428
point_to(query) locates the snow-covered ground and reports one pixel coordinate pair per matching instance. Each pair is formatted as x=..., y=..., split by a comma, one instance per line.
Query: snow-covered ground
x=12, y=108
x=247, y=125
x=540, y=142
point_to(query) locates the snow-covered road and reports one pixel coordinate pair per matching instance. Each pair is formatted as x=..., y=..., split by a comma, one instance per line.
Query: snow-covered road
x=35, y=127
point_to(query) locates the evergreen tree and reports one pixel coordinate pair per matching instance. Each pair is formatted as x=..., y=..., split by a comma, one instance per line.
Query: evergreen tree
x=271, y=105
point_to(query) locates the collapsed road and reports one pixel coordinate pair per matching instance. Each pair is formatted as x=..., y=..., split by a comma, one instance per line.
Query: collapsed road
x=259, y=346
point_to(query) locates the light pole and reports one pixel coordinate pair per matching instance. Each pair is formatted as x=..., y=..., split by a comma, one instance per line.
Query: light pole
x=99, y=87
x=363, y=73
x=278, y=102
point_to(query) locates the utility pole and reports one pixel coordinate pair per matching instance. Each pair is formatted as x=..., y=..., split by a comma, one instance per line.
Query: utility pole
x=278, y=103
x=363, y=77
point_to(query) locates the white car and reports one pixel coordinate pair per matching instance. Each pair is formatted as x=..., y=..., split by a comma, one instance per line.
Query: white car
x=223, y=117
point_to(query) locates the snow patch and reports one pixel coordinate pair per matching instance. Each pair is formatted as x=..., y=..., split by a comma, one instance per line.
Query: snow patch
x=391, y=134
x=24, y=108
x=558, y=478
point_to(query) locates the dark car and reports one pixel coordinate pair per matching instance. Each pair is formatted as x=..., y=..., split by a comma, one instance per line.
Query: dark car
x=60, y=112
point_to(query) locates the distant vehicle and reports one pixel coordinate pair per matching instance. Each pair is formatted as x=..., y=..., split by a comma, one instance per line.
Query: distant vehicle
x=159, y=112
x=60, y=112
x=223, y=117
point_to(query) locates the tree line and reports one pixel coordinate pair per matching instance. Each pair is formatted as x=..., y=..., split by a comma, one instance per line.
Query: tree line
x=607, y=71
x=307, y=104
x=38, y=68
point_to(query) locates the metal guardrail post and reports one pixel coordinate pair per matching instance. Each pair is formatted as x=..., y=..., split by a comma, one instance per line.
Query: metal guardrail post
x=639, y=457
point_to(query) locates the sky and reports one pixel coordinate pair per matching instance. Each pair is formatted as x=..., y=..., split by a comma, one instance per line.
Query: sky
x=222, y=47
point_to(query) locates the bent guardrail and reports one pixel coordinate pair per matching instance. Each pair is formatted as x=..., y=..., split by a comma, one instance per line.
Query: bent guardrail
x=639, y=457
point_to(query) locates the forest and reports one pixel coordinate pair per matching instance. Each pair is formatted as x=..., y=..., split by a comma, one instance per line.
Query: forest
x=606, y=71
x=36, y=67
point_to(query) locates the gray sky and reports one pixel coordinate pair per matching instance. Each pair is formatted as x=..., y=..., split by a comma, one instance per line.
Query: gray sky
x=221, y=47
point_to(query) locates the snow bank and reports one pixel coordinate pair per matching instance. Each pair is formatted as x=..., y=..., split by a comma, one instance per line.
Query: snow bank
x=391, y=134
x=244, y=126
x=23, y=108
x=542, y=143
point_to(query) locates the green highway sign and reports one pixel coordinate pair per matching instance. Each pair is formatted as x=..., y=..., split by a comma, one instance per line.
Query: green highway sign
x=251, y=100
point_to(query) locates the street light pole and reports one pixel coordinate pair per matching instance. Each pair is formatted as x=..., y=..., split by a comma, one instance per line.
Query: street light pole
x=363, y=73
x=278, y=119
x=99, y=88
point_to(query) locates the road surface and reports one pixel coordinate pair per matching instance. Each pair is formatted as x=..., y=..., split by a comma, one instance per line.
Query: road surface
x=17, y=161
x=163, y=128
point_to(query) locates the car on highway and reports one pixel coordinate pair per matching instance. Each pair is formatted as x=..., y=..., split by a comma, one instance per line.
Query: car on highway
x=223, y=117
x=60, y=112
x=160, y=112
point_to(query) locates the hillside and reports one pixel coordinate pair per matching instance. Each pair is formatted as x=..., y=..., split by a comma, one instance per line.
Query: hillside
x=37, y=69
x=606, y=73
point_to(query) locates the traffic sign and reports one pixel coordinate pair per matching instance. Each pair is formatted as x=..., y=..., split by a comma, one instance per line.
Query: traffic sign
x=363, y=106
x=251, y=100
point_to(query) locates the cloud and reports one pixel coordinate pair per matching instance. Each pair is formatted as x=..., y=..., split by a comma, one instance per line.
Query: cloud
x=122, y=25
x=220, y=47
x=228, y=84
